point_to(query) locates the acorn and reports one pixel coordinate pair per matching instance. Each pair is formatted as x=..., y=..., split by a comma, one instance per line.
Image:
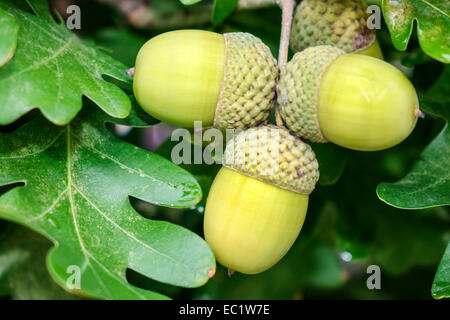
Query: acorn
x=339, y=23
x=226, y=81
x=355, y=101
x=258, y=201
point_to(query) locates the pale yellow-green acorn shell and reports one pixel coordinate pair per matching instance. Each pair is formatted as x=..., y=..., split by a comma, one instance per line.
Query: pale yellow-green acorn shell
x=192, y=75
x=355, y=101
x=258, y=201
x=339, y=23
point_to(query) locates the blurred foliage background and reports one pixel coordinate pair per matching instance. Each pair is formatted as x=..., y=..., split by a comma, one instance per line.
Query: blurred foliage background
x=347, y=227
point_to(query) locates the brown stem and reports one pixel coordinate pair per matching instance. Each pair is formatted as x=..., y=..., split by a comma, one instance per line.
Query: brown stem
x=287, y=7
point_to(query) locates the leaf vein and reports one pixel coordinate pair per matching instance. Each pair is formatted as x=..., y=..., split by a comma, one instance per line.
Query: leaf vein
x=40, y=216
x=42, y=62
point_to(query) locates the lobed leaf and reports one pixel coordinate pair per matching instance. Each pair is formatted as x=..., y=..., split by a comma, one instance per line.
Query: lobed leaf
x=52, y=69
x=77, y=183
x=8, y=36
x=433, y=25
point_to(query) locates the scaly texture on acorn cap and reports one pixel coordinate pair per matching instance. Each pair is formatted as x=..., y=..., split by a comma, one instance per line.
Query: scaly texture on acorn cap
x=248, y=87
x=272, y=155
x=298, y=90
x=340, y=23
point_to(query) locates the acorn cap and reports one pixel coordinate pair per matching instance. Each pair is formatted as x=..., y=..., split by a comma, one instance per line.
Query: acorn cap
x=272, y=155
x=248, y=87
x=298, y=90
x=340, y=23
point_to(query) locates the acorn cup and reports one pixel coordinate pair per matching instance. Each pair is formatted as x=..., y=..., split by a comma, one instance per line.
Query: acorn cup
x=226, y=81
x=258, y=201
x=352, y=100
x=339, y=23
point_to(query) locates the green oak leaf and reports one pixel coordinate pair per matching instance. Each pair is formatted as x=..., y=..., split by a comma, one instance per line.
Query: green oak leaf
x=433, y=25
x=8, y=36
x=428, y=183
x=222, y=9
x=77, y=181
x=23, y=273
x=203, y=173
x=52, y=69
x=441, y=284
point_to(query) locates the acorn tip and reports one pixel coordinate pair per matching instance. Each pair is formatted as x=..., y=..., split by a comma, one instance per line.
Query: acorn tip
x=419, y=114
x=211, y=272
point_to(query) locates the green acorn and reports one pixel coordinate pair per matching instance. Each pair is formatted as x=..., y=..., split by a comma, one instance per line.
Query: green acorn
x=339, y=23
x=352, y=100
x=192, y=75
x=258, y=201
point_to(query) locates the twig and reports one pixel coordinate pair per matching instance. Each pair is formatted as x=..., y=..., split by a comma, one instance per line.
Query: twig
x=287, y=7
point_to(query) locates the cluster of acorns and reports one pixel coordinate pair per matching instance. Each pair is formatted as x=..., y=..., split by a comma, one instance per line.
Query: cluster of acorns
x=336, y=88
